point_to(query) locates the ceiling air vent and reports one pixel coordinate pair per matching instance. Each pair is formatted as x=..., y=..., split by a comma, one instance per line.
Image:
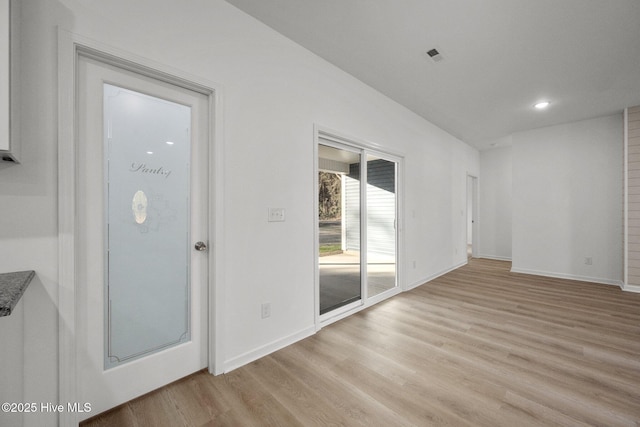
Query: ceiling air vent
x=435, y=55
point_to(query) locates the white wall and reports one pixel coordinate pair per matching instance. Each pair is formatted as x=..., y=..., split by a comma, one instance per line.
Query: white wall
x=28, y=212
x=470, y=213
x=11, y=356
x=274, y=92
x=567, y=200
x=495, y=203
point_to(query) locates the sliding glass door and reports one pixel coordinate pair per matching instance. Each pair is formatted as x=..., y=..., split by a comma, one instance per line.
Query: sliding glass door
x=357, y=224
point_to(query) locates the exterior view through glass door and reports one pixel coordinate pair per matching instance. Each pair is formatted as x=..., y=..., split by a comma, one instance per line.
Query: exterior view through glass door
x=357, y=225
x=381, y=225
x=339, y=227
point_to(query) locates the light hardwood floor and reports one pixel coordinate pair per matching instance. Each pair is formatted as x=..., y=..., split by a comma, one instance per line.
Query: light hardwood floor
x=479, y=346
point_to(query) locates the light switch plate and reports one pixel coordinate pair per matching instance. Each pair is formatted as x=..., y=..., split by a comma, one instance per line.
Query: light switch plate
x=276, y=215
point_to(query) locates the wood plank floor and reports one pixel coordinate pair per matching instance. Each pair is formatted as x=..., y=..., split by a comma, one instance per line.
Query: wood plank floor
x=479, y=346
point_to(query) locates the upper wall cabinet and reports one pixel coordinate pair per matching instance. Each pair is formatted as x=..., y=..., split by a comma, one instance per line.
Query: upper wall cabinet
x=9, y=140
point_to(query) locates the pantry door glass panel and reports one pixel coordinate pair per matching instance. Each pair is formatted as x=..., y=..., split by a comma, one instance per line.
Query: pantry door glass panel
x=147, y=152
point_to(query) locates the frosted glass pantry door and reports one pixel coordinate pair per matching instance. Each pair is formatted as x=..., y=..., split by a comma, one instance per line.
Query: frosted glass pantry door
x=142, y=218
x=147, y=224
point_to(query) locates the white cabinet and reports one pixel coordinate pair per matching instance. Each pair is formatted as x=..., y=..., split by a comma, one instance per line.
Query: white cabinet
x=9, y=141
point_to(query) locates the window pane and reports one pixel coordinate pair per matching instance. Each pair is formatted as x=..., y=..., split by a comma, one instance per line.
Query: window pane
x=381, y=225
x=339, y=225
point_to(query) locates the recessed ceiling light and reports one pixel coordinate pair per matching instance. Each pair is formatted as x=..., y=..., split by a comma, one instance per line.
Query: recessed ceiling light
x=149, y=152
x=170, y=142
x=542, y=105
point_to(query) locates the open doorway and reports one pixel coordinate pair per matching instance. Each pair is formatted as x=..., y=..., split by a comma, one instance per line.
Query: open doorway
x=472, y=214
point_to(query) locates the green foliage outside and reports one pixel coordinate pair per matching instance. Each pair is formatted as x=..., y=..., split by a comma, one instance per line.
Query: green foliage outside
x=329, y=192
x=326, y=249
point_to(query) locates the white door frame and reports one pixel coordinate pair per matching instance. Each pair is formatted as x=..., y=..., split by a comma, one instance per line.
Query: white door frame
x=70, y=48
x=365, y=147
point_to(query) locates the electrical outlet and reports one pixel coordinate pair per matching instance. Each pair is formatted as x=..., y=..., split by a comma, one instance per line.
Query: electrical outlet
x=588, y=260
x=266, y=310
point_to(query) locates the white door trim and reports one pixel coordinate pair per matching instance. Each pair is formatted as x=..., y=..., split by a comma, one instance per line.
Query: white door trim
x=70, y=47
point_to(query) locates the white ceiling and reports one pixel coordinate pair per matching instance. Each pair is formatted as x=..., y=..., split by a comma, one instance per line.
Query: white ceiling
x=500, y=56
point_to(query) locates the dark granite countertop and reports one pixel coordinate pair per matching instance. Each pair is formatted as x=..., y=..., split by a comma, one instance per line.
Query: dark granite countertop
x=12, y=286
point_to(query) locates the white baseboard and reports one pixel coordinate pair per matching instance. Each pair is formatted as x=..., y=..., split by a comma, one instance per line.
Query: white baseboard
x=434, y=276
x=630, y=288
x=276, y=345
x=568, y=276
x=496, y=257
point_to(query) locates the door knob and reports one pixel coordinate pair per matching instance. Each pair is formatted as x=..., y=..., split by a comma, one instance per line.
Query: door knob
x=201, y=246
